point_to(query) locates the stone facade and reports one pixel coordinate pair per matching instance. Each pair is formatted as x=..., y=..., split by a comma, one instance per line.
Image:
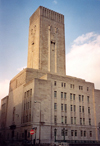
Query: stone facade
x=61, y=107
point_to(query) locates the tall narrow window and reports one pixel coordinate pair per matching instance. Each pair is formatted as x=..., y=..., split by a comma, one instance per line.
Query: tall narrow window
x=83, y=109
x=54, y=83
x=89, y=121
x=74, y=120
x=88, y=99
x=89, y=110
x=62, y=119
x=55, y=119
x=82, y=97
x=75, y=132
x=61, y=95
x=79, y=108
x=72, y=132
x=61, y=107
x=65, y=95
x=79, y=97
x=90, y=133
x=55, y=106
x=70, y=96
x=64, y=84
x=71, y=120
x=55, y=93
x=65, y=107
x=71, y=107
x=74, y=108
x=83, y=121
x=84, y=133
x=80, y=121
x=81, y=133
x=66, y=132
x=73, y=96
x=65, y=119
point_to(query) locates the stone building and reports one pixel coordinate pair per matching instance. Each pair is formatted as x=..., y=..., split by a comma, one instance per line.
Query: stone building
x=61, y=107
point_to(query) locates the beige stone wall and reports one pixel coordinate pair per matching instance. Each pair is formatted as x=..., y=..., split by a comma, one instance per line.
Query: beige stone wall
x=46, y=49
x=97, y=107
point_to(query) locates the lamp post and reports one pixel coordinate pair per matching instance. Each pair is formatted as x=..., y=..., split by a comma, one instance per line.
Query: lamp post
x=39, y=122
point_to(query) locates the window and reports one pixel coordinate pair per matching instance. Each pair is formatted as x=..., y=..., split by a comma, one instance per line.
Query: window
x=80, y=121
x=72, y=86
x=61, y=107
x=55, y=132
x=71, y=120
x=62, y=119
x=81, y=132
x=75, y=132
x=74, y=120
x=62, y=132
x=55, y=119
x=79, y=97
x=82, y=97
x=55, y=106
x=65, y=119
x=65, y=95
x=72, y=132
x=88, y=99
x=25, y=95
x=55, y=93
x=62, y=84
x=83, y=109
x=90, y=133
x=54, y=83
x=80, y=87
x=71, y=107
x=79, y=108
x=87, y=88
x=65, y=107
x=74, y=108
x=89, y=110
x=83, y=121
x=89, y=121
x=61, y=94
x=73, y=96
x=30, y=92
x=66, y=132
x=70, y=96
x=84, y=133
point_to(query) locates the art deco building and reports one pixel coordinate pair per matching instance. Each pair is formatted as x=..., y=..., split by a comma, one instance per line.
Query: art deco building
x=63, y=108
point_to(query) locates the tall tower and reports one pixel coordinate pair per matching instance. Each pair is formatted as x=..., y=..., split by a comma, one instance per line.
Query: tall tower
x=46, y=47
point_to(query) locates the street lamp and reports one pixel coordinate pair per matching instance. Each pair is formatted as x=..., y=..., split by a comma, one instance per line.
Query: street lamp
x=39, y=122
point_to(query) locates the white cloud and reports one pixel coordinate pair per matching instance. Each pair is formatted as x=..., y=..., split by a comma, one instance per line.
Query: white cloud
x=83, y=61
x=55, y=1
x=20, y=69
x=4, y=88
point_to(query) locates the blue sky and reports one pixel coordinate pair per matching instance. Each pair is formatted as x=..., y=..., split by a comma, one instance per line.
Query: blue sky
x=82, y=37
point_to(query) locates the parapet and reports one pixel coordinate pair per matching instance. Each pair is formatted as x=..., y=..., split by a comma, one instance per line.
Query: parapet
x=50, y=14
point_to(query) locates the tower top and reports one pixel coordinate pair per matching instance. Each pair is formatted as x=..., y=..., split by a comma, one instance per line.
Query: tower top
x=50, y=14
x=46, y=47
